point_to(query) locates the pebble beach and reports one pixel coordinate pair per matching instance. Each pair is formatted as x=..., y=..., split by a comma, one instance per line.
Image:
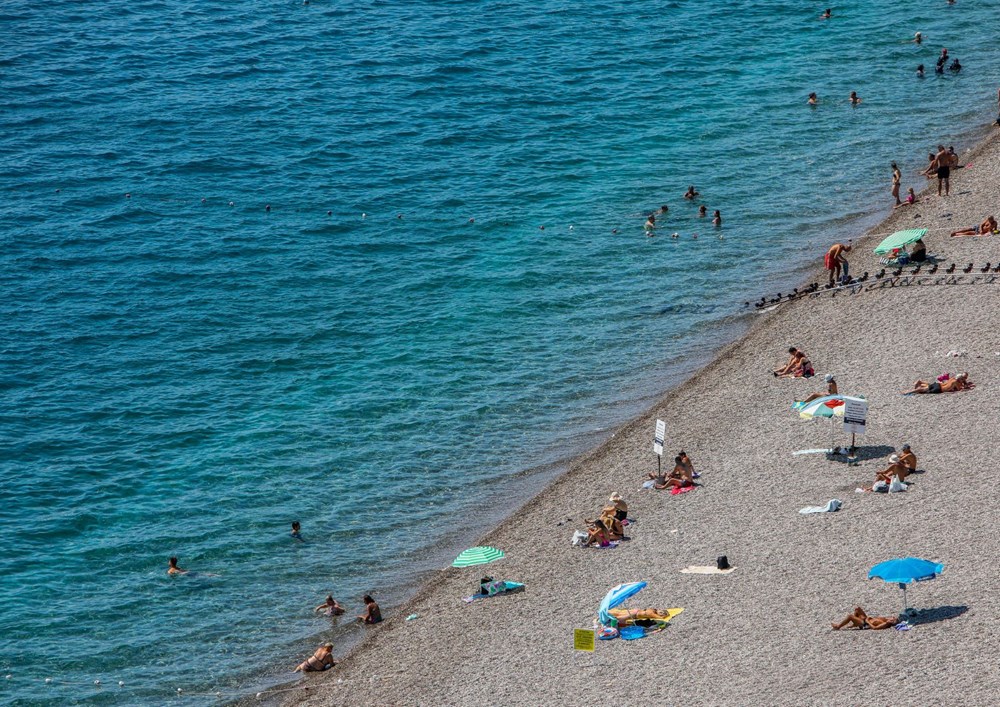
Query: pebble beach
x=760, y=634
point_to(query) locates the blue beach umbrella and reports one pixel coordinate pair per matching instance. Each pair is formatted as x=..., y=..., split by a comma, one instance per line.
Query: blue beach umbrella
x=905, y=571
x=616, y=597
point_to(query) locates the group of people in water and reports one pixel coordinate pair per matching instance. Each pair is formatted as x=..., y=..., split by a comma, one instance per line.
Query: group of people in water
x=690, y=195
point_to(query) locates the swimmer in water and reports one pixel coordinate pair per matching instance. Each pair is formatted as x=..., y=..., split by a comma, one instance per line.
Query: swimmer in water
x=691, y=193
x=297, y=531
x=955, y=66
x=920, y=71
x=717, y=219
x=650, y=223
x=330, y=607
x=826, y=15
x=702, y=211
x=854, y=98
x=917, y=38
x=664, y=209
x=812, y=99
x=173, y=568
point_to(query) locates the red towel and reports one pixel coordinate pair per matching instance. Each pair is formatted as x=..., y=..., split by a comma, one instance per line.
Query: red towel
x=682, y=489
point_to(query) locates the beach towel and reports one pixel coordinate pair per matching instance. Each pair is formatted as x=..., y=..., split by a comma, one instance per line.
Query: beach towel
x=831, y=506
x=630, y=633
x=646, y=485
x=495, y=589
x=706, y=569
x=681, y=489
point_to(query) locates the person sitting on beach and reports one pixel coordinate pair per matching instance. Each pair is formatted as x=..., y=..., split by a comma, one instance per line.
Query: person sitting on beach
x=952, y=385
x=910, y=199
x=717, y=218
x=616, y=531
x=296, y=531
x=831, y=389
x=919, y=252
x=691, y=193
x=988, y=226
x=373, y=614
x=813, y=100
x=895, y=469
x=686, y=461
x=330, y=607
x=621, y=508
x=679, y=477
x=319, y=661
x=597, y=534
x=860, y=620
x=931, y=170
x=172, y=567
x=908, y=459
x=834, y=261
x=794, y=356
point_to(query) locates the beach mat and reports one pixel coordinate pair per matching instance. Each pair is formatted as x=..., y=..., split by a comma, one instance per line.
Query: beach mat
x=705, y=569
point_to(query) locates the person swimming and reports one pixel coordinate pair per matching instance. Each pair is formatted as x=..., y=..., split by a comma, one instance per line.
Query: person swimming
x=717, y=218
x=296, y=531
x=827, y=14
x=650, y=223
x=330, y=607
x=691, y=193
x=917, y=38
x=172, y=567
x=855, y=101
x=955, y=66
x=920, y=71
x=702, y=211
x=812, y=99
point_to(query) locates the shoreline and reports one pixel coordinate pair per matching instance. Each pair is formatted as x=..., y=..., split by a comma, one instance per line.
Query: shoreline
x=540, y=501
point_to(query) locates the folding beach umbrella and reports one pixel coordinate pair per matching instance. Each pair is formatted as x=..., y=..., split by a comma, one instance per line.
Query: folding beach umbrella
x=477, y=556
x=905, y=571
x=900, y=239
x=616, y=597
x=828, y=406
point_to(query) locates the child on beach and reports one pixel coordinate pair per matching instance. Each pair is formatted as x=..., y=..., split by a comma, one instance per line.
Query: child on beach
x=910, y=199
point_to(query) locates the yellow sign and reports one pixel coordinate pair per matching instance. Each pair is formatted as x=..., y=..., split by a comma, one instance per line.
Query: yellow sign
x=583, y=639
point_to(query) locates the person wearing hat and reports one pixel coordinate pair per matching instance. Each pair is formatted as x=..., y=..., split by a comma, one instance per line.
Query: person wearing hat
x=621, y=508
x=908, y=459
x=895, y=468
x=831, y=389
x=322, y=659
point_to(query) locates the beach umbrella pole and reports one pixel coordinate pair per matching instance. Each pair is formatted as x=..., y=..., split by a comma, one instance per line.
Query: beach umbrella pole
x=903, y=587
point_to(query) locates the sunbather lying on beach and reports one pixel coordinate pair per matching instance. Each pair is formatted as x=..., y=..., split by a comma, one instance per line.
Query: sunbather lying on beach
x=627, y=614
x=860, y=620
x=322, y=659
x=988, y=226
x=831, y=389
x=952, y=385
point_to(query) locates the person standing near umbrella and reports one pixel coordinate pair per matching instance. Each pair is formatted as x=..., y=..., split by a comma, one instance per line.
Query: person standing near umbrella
x=835, y=262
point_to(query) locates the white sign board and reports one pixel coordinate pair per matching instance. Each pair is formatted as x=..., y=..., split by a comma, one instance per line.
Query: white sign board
x=661, y=431
x=855, y=416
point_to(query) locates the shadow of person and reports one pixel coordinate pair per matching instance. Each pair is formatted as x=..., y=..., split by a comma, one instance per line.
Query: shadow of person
x=939, y=613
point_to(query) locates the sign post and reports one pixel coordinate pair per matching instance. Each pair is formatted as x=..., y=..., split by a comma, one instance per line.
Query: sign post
x=855, y=418
x=661, y=432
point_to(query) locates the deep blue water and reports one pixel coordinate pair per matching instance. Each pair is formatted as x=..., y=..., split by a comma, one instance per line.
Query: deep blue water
x=183, y=372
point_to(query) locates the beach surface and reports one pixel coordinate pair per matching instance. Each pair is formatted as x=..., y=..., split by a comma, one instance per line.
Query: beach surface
x=761, y=634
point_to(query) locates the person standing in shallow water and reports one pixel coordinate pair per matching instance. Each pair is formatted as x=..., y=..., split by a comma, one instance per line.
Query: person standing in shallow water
x=717, y=219
x=702, y=211
x=897, y=177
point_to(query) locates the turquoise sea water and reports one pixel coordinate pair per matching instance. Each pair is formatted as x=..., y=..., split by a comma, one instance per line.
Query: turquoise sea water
x=183, y=372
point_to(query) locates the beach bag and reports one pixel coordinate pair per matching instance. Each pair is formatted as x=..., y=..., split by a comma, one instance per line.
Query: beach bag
x=896, y=486
x=607, y=633
x=722, y=562
x=579, y=537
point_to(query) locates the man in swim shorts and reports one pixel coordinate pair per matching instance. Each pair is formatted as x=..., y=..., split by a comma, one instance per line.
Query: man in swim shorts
x=943, y=161
x=834, y=261
x=860, y=620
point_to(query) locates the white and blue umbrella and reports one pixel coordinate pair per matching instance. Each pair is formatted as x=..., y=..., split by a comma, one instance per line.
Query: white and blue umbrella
x=616, y=597
x=906, y=570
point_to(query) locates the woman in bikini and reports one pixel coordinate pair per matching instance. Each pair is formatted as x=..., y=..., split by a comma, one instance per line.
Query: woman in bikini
x=321, y=660
x=987, y=227
x=952, y=385
x=373, y=614
x=860, y=620
x=598, y=534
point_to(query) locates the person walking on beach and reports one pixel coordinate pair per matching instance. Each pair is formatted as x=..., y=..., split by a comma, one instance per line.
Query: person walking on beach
x=373, y=614
x=897, y=177
x=835, y=262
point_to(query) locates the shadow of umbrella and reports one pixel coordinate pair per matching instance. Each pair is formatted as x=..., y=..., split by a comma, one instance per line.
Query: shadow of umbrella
x=939, y=613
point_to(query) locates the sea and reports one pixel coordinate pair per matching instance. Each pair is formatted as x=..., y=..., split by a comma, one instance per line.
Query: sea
x=380, y=267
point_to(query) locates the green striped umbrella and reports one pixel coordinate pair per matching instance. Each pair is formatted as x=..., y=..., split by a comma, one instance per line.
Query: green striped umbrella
x=900, y=239
x=477, y=556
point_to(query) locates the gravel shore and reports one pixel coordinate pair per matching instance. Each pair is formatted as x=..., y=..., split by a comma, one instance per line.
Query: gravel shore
x=760, y=635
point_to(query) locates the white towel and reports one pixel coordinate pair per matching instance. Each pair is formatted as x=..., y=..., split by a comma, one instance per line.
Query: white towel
x=896, y=486
x=832, y=505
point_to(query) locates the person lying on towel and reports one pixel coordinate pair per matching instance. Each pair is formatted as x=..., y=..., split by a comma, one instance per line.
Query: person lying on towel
x=860, y=620
x=952, y=385
x=633, y=614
